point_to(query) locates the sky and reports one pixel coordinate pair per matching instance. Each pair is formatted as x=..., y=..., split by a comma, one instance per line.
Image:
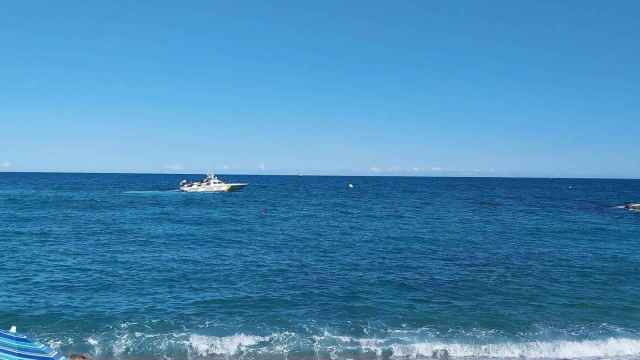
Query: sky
x=422, y=88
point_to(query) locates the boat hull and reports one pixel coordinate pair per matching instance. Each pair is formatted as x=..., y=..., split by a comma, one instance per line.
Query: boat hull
x=633, y=207
x=213, y=188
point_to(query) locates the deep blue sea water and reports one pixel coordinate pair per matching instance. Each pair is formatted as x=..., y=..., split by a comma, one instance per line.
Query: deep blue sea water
x=123, y=266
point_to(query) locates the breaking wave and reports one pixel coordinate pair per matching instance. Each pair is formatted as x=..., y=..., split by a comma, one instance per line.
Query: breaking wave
x=327, y=346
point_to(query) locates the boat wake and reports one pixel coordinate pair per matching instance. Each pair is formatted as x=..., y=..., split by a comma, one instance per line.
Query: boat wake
x=151, y=192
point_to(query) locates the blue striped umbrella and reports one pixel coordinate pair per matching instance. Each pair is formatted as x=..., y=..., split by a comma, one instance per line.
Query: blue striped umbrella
x=17, y=347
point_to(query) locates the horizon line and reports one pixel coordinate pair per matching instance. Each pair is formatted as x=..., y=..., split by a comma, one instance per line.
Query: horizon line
x=286, y=173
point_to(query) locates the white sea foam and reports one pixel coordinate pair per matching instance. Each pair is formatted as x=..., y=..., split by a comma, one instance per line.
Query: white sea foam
x=226, y=345
x=121, y=345
x=606, y=348
x=95, y=344
x=531, y=350
x=399, y=346
x=559, y=349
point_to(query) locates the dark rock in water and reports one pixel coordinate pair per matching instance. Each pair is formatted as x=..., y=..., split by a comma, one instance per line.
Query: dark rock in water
x=440, y=354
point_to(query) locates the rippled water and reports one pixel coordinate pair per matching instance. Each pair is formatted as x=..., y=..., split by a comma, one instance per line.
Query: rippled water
x=124, y=266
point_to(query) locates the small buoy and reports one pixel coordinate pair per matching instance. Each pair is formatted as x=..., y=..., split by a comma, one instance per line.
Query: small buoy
x=350, y=186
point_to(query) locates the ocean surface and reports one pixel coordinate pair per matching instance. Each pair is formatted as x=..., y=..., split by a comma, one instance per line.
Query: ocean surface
x=298, y=267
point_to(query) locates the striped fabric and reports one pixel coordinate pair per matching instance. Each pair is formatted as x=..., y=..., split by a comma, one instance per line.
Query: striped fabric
x=18, y=347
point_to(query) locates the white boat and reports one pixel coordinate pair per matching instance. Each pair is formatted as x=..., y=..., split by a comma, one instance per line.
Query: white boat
x=632, y=207
x=210, y=184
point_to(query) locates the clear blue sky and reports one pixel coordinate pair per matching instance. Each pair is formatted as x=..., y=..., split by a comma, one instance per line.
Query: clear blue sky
x=515, y=88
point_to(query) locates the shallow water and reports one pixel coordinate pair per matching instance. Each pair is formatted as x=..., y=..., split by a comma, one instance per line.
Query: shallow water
x=124, y=266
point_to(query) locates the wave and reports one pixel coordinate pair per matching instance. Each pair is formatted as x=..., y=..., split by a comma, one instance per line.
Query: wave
x=289, y=346
x=587, y=349
x=227, y=345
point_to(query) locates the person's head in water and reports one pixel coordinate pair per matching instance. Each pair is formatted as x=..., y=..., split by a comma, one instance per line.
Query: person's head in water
x=79, y=357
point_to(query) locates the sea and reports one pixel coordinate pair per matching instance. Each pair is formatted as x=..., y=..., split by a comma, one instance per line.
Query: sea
x=123, y=266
